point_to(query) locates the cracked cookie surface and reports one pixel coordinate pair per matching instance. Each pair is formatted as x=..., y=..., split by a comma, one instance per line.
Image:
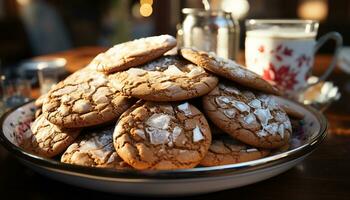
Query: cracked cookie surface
x=95, y=149
x=253, y=118
x=228, y=69
x=133, y=53
x=84, y=99
x=226, y=150
x=169, y=78
x=162, y=136
x=39, y=104
x=47, y=139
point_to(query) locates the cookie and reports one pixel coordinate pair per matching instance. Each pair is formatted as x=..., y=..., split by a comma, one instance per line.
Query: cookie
x=38, y=104
x=84, y=99
x=292, y=112
x=39, y=101
x=226, y=150
x=47, y=139
x=162, y=136
x=251, y=117
x=94, y=149
x=133, y=53
x=169, y=78
x=228, y=69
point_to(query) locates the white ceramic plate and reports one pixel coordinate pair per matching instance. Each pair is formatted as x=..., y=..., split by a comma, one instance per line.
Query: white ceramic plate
x=176, y=182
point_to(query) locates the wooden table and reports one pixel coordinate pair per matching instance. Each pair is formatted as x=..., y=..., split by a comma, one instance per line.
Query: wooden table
x=324, y=175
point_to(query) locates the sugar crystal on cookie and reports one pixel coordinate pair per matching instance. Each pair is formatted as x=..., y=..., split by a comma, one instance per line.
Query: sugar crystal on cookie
x=263, y=115
x=255, y=103
x=272, y=128
x=223, y=101
x=230, y=113
x=241, y=106
x=140, y=133
x=173, y=71
x=249, y=118
x=229, y=89
x=195, y=71
x=160, y=121
x=197, y=135
x=157, y=136
x=185, y=108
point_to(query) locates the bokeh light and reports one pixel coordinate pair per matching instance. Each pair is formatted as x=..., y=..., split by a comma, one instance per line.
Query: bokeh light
x=149, y=2
x=146, y=10
x=313, y=9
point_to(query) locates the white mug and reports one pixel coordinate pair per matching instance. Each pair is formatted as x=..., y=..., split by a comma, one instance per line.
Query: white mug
x=283, y=51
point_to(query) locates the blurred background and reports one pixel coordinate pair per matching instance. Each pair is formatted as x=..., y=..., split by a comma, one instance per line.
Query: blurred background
x=35, y=27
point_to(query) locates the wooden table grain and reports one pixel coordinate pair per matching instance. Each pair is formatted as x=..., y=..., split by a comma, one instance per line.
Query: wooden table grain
x=323, y=175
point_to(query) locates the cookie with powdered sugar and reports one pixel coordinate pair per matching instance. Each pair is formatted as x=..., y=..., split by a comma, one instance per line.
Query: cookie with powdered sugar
x=46, y=139
x=251, y=117
x=94, y=149
x=225, y=150
x=133, y=53
x=228, y=69
x=83, y=99
x=162, y=136
x=169, y=78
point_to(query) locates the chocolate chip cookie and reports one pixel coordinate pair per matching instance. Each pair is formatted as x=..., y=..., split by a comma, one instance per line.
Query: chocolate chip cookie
x=95, y=149
x=133, y=53
x=251, y=117
x=162, y=136
x=226, y=150
x=228, y=69
x=84, y=99
x=47, y=139
x=169, y=78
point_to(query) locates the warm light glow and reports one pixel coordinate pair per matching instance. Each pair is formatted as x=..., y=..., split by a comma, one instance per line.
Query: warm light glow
x=238, y=8
x=313, y=9
x=146, y=10
x=23, y=2
x=149, y=2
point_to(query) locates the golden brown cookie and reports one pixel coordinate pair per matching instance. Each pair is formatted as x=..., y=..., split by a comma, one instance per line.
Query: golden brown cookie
x=253, y=118
x=133, y=53
x=169, y=78
x=228, y=69
x=226, y=150
x=47, y=139
x=39, y=104
x=94, y=149
x=84, y=99
x=162, y=136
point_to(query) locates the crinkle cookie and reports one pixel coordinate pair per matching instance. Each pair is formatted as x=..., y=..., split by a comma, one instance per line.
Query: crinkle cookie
x=94, y=149
x=169, y=78
x=47, y=139
x=133, y=53
x=162, y=136
x=253, y=118
x=84, y=99
x=228, y=69
x=39, y=104
x=226, y=150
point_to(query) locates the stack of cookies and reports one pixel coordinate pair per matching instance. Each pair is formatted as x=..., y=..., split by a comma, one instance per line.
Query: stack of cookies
x=140, y=106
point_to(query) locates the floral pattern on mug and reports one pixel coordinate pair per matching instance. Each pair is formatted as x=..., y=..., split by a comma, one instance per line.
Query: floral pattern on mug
x=287, y=63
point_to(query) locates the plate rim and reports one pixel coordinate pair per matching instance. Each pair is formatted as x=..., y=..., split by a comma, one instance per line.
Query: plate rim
x=200, y=172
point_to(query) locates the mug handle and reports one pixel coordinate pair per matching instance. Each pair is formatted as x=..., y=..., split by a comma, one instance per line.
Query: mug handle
x=338, y=43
